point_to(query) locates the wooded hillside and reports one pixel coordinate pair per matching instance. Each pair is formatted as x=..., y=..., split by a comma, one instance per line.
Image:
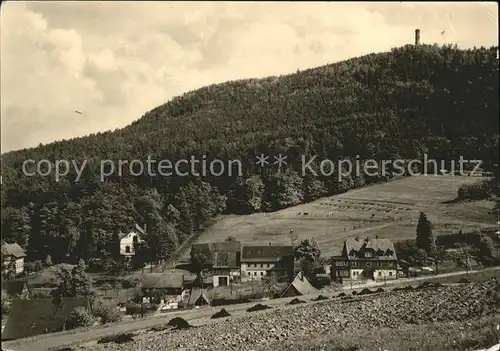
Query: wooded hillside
x=402, y=104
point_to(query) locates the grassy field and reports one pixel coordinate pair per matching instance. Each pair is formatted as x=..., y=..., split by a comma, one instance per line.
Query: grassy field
x=395, y=207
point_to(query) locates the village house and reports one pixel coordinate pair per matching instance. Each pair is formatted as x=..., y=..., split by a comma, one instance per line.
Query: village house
x=223, y=259
x=14, y=259
x=299, y=286
x=128, y=240
x=365, y=259
x=16, y=288
x=163, y=288
x=258, y=262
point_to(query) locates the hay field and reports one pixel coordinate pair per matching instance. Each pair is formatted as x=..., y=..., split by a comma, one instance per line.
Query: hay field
x=389, y=210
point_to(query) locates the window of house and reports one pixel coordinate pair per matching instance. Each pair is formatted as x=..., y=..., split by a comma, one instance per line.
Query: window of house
x=390, y=273
x=380, y=263
x=379, y=274
x=368, y=264
x=134, y=238
x=261, y=265
x=127, y=249
x=368, y=254
x=261, y=273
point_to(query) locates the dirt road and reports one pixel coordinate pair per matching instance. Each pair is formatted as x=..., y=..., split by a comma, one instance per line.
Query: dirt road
x=55, y=341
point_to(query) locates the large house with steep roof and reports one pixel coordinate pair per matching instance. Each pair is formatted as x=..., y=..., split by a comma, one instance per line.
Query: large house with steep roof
x=365, y=259
x=14, y=260
x=166, y=286
x=258, y=262
x=223, y=259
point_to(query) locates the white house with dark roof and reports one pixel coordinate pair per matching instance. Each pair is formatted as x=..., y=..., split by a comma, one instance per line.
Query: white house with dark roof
x=365, y=259
x=14, y=260
x=127, y=241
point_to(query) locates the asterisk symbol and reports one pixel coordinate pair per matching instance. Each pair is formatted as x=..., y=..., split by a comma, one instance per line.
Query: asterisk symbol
x=262, y=160
x=280, y=160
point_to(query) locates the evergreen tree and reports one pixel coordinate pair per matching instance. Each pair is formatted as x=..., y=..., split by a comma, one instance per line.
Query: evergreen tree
x=425, y=237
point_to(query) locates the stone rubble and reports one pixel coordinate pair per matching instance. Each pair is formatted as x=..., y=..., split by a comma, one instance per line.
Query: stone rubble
x=289, y=324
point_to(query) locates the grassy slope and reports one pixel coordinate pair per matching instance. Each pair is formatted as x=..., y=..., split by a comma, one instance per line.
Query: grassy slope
x=396, y=206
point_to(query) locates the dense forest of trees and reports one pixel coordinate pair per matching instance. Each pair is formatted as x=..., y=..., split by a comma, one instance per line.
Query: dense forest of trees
x=414, y=100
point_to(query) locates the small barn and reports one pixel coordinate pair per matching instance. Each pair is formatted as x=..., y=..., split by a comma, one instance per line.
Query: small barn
x=199, y=297
x=299, y=286
x=14, y=288
x=39, y=316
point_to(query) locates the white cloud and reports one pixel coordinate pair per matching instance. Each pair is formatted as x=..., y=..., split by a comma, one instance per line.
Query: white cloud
x=116, y=60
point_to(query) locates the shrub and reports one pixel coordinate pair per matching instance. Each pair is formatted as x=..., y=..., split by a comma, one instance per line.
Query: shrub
x=106, y=313
x=29, y=267
x=5, y=305
x=477, y=191
x=79, y=317
x=129, y=283
x=38, y=266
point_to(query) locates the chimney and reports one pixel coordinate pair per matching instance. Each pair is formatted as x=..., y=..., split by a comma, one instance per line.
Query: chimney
x=417, y=36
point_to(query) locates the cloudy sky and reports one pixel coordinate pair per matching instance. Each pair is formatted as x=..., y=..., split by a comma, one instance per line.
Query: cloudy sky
x=116, y=60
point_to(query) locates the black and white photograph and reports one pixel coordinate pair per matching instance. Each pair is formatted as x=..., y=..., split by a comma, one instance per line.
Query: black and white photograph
x=249, y=176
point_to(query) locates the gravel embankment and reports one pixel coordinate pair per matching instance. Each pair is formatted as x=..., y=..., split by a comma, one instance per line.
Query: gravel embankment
x=279, y=326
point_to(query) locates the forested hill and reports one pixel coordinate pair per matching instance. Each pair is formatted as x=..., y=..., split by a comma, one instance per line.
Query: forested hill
x=413, y=100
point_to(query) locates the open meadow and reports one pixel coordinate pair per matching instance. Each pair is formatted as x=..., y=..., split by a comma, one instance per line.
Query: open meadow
x=389, y=210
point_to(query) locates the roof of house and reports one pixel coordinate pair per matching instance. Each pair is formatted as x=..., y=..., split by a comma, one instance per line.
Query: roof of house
x=13, y=287
x=37, y=316
x=223, y=246
x=139, y=229
x=265, y=253
x=299, y=286
x=226, y=260
x=165, y=280
x=15, y=250
x=122, y=235
x=382, y=249
x=220, y=254
x=199, y=297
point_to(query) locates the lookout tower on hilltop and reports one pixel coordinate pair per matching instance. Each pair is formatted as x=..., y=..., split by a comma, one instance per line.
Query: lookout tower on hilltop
x=417, y=37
